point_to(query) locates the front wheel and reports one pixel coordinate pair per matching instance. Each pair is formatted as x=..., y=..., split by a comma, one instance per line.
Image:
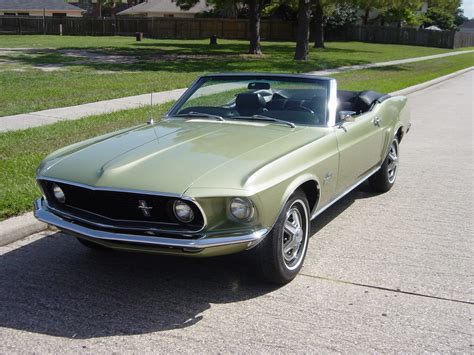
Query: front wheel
x=384, y=179
x=281, y=255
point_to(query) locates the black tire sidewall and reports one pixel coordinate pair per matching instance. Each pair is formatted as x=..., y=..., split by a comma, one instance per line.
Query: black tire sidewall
x=380, y=181
x=271, y=260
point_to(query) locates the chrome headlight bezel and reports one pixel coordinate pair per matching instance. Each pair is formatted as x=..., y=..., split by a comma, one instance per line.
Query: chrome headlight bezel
x=180, y=204
x=241, y=203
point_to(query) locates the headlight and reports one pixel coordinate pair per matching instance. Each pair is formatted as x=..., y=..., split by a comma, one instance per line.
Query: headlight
x=183, y=211
x=241, y=208
x=58, y=194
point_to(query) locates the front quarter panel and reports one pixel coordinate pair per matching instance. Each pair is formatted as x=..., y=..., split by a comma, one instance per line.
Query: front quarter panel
x=270, y=186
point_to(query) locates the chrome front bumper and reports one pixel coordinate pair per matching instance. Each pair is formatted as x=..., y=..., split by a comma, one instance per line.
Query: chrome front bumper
x=196, y=245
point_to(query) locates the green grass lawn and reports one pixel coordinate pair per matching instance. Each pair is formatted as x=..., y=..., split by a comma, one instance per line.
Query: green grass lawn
x=22, y=151
x=393, y=78
x=122, y=67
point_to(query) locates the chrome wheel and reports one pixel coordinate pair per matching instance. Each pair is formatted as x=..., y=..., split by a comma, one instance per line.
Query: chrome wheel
x=295, y=230
x=392, y=166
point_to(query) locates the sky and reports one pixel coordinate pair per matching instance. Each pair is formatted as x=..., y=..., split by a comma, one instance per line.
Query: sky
x=468, y=6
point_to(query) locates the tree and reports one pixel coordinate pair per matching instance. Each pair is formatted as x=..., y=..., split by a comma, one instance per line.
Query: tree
x=108, y=4
x=448, y=5
x=255, y=8
x=282, y=9
x=440, y=18
x=368, y=5
x=321, y=8
x=402, y=12
x=302, y=35
x=255, y=13
x=459, y=17
x=345, y=14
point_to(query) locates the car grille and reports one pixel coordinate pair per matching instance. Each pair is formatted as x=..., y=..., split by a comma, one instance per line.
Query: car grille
x=120, y=209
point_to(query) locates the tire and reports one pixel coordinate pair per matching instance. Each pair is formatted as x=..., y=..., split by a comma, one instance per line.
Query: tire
x=91, y=245
x=384, y=179
x=273, y=265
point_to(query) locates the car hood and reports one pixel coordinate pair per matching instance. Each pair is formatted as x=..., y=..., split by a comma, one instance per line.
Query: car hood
x=173, y=155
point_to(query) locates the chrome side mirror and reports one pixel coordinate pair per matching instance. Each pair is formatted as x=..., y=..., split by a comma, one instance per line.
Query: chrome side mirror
x=346, y=116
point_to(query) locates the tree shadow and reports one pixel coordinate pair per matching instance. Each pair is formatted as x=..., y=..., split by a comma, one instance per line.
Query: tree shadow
x=57, y=287
x=182, y=58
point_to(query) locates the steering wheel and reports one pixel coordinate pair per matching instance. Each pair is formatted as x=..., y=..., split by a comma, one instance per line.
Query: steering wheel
x=302, y=108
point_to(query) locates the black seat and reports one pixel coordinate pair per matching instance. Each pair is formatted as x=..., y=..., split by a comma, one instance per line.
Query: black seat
x=367, y=99
x=359, y=102
x=250, y=103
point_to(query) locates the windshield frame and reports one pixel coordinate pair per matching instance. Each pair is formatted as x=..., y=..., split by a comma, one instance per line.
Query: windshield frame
x=330, y=82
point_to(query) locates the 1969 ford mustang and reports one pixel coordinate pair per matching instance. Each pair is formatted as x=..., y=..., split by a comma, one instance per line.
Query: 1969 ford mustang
x=240, y=162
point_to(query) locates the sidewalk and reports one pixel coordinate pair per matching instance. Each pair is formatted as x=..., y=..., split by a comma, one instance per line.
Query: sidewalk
x=40, y=118
x=385, y=64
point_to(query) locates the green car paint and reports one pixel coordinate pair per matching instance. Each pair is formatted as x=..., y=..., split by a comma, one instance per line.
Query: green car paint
x=212, y=161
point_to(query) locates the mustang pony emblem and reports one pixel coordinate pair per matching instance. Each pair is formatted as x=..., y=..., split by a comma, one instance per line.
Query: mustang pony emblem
x=143, y=206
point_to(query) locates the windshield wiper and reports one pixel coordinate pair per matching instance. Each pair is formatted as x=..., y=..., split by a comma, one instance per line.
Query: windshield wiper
x=265, y=118
x=200, y=114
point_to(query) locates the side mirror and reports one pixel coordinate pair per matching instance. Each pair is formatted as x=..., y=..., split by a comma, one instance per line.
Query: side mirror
x=346, y=116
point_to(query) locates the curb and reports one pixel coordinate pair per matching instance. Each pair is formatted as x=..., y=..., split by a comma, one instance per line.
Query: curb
x=427, y=84
x=20, y=227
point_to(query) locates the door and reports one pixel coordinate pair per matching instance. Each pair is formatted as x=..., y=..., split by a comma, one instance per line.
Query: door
x=360, y=145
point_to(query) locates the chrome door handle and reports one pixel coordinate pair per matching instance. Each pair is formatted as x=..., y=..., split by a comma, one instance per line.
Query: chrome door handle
x=377, y=121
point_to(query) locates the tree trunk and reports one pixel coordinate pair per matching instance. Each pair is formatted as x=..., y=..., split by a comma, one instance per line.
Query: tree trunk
x=319, y=30
x=302, y=36
x=365, y=18
x=254, y=27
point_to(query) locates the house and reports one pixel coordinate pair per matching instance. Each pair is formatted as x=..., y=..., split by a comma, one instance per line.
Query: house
x=56, y=8
x=467, y=26
x=164, y=8
x=94, y=8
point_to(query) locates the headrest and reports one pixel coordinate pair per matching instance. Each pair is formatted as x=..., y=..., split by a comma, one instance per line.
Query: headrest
x=250, y=100
x=369, y=97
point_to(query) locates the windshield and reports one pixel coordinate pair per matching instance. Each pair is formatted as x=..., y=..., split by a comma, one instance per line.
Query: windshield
x=277, y=99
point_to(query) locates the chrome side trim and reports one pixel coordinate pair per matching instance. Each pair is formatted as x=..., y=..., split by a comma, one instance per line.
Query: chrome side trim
x=143, y=192
x=190, y=245
x=345, y=192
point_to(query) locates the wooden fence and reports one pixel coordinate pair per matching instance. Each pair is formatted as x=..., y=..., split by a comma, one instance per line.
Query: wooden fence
x=194, y=28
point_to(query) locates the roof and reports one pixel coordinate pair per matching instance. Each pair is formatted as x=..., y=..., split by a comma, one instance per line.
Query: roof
x=433, y=28
x=468, y=24
x=37, y=5
x=164, y=6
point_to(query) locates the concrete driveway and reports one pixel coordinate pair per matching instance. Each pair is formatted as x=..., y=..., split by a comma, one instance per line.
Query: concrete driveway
x=385, y=273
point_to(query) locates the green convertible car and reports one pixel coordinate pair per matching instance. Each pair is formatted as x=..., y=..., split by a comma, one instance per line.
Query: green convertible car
x=241, y=162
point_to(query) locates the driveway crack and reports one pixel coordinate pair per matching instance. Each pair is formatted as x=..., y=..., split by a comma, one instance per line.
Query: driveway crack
x=387, y=289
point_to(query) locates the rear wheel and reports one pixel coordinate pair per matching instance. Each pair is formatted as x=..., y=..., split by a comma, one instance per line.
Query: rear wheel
x=384, y=179
x=281, y=255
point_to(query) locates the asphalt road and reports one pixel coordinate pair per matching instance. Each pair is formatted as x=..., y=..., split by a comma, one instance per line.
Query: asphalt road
x=390, y=272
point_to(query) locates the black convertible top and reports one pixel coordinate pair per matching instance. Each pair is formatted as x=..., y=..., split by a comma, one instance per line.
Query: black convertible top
x=359, y=101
